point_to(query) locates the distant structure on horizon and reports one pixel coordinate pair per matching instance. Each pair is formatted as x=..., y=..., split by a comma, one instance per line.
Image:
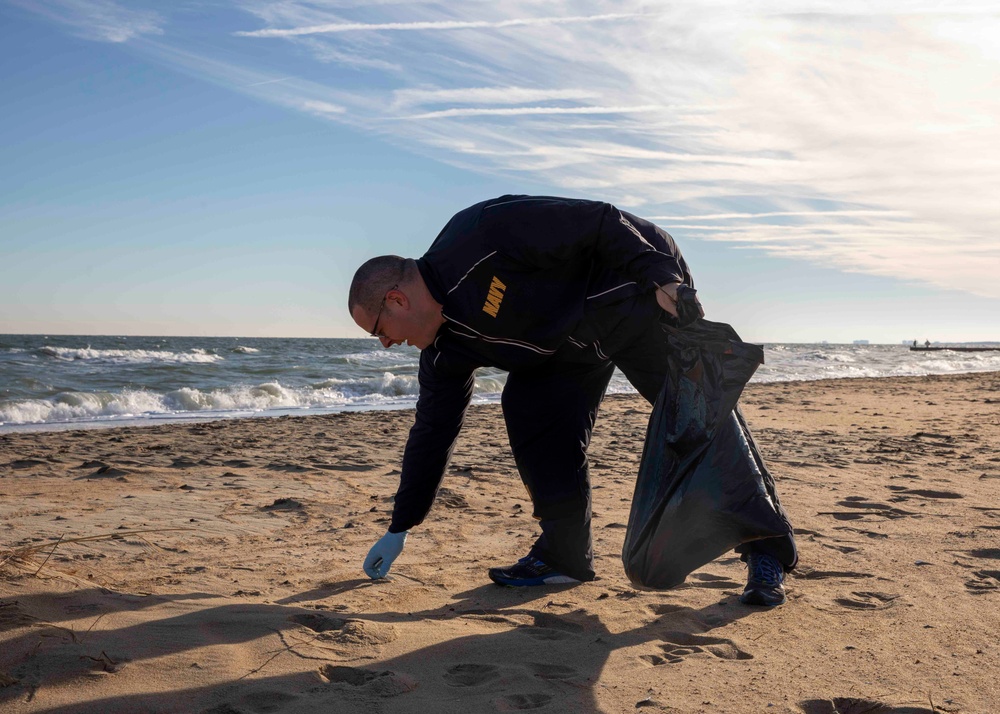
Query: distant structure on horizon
x=861, y=342
x=964, y=347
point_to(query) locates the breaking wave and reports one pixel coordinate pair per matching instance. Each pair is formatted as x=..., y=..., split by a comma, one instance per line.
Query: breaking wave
x=331, y=394
x=75, y=379
x=194, y=356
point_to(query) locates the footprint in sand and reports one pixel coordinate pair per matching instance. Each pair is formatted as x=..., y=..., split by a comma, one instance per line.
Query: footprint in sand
x=353, y=635
x=470, y=675
x=555, y=622
x=876, y=509
x=984, y=582
x=862, y=531
x=317, y=623
x=450, y=499
x=810, y=574
x=844, y=515
x=350, y=675
x=544, y=634
x=283, y=504
x=867, y=600
x=491, y=617
x=288, y=468
x=238, y=463
x=680, y=645
x=344, y=466
x=866, y=507
x=707, y=580
x=850, y=705
x=520, y=702
x=551, y=627
x=105, y=472
x=552, y=671
x=382, y=684
x=986, y=553
x=667, y=608
x=807, y=532
x=26, y=464
x=927, y=493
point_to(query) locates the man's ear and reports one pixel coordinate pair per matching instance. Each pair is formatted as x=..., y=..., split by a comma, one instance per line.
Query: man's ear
x=398, y=297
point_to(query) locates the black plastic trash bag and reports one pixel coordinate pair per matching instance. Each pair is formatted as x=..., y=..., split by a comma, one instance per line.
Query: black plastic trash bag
x=702, y=487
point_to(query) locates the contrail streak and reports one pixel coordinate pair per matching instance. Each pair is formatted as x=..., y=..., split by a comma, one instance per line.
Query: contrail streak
x=523, y=111
x=443, y=25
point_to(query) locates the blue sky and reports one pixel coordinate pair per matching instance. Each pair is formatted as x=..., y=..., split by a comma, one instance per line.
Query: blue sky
x=220, y=168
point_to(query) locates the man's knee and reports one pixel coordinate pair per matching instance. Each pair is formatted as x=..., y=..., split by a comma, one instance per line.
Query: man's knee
x=549, y=509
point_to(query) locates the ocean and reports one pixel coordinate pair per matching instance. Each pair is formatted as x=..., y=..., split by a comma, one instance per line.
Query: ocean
x=60, y=382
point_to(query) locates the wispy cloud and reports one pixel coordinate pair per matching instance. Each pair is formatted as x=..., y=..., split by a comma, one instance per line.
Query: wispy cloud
x=269, y=81
x=330, y=28
x=403, y=98
x=101, y=20
x=843, y=132
x=967, y=263
x=294, y=93
x=321, y=108
x=783, y=214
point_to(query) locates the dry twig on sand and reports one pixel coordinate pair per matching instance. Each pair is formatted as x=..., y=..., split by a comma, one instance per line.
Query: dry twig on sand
x=25, y=556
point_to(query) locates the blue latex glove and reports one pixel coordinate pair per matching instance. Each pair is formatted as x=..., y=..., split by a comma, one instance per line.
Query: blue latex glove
x=383, y=553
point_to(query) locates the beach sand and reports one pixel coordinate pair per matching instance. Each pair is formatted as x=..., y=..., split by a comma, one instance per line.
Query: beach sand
x=233, y=582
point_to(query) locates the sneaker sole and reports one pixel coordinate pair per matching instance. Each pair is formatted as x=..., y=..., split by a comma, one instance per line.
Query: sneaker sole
x=500, y=579
x=759, y=599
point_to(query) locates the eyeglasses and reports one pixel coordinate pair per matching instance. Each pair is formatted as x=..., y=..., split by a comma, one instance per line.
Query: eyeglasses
x=381, y=307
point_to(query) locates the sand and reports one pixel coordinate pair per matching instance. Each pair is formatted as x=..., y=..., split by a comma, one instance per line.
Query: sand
x=227, y=576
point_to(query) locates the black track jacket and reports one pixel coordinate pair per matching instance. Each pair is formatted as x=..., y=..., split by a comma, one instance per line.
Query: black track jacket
x=523, y=280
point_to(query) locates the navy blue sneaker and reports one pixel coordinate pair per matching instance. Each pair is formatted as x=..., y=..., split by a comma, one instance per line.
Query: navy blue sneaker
x=765, y=578
x=529, y=571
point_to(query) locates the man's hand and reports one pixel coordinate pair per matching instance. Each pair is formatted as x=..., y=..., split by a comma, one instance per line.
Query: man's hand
x=383, y=553
x=681, y=302
x=666, y=296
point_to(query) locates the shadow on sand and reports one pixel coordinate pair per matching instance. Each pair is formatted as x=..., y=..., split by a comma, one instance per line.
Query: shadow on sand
x=495, y=649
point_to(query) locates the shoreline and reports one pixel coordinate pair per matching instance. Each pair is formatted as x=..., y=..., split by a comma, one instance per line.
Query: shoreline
x=235, y=584
x=156, y=420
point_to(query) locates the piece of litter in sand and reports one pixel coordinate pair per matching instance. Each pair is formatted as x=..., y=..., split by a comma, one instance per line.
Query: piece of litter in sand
x=284, y=503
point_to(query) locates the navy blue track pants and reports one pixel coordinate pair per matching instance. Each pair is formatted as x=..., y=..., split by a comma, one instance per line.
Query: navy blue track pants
x=550, y=413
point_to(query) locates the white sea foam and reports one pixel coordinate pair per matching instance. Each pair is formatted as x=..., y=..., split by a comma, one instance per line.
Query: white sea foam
x=383, y=357
x=785, y=363
x=76, y=406
x=194, y=356
x=247, y=398
x=70, y=406
x=284, y=379
x=831, y=357
x=386, y=384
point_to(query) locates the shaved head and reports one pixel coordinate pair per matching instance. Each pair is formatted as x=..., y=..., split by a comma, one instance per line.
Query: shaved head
x=374, y=278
